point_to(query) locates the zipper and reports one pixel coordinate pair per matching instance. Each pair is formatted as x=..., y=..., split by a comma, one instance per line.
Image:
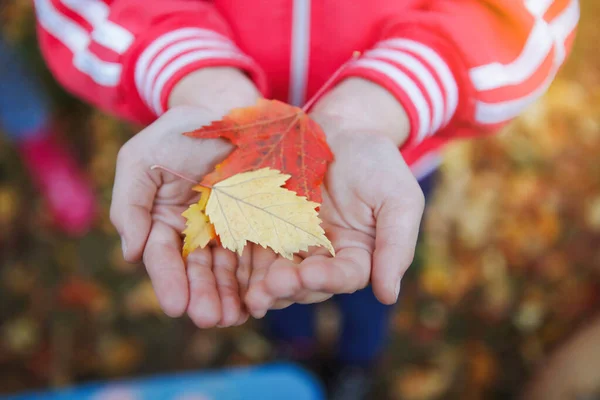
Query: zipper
x=300, y=52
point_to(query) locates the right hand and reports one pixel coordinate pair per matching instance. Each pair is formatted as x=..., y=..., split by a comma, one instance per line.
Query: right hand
x=147, y=204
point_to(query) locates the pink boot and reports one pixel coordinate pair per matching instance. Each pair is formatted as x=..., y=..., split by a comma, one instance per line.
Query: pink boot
x=69, y=197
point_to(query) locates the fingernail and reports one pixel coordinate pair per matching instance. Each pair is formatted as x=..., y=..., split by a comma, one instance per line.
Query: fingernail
x=124, y=247
x=397, y=290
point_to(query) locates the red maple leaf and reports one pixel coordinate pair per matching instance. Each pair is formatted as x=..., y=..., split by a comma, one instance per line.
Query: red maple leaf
x=276, y=135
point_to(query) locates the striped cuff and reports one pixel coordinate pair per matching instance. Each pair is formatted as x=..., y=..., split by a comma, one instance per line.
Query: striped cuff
x=417, y=76
x=172, y=56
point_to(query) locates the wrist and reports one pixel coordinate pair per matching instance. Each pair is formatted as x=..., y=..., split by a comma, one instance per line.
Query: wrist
x=360, y=106
x=217, y=89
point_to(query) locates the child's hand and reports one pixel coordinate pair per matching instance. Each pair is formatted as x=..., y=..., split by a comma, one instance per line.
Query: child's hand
x=147, y=204
x=372, y=207
x=371, y=210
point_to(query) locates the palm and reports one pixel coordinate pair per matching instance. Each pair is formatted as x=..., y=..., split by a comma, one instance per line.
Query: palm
x=172, y=198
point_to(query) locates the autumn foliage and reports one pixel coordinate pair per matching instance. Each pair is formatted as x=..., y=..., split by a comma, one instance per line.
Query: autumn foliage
x=277, y=144
x=275, y=135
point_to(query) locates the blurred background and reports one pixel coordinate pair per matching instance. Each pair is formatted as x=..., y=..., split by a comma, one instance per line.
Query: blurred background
x=505, y=291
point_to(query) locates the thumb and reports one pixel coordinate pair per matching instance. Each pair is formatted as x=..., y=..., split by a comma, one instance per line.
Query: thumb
x=132, y=200
x=397, y=229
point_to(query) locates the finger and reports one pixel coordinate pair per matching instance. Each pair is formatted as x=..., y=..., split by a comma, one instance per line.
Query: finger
x=205, y=304
x=165, y=266
x=313, y=251
x=244, y=270
x=347, y=272
x=262, y=259
x=310, y=297
x=397, y=229
x=244, y=316
x=132, y=199
x=303, y=297
x=282, y=279
x=257, y=299
x=243, y=273
x=281, y=304
x=281, y=287
x=224, y=266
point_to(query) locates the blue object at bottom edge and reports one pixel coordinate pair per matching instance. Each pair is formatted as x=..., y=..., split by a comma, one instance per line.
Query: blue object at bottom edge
x=268, y=382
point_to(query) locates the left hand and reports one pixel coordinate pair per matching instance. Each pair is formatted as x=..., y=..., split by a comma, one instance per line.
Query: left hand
x=372, y=208
x=147, y=204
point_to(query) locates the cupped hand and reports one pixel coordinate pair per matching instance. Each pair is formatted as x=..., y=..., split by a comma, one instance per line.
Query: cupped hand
x=146, y=210
x=147, y=203
x=372, y=208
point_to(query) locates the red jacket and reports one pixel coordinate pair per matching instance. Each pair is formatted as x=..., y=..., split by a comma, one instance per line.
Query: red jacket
x=459, y=67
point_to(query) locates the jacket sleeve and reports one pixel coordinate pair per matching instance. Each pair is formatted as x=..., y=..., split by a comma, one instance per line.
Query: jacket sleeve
x=125, y=56
x=462, y=67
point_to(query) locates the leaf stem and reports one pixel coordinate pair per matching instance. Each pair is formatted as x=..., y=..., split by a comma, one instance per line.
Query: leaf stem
x=177, y=174
x=327, y=84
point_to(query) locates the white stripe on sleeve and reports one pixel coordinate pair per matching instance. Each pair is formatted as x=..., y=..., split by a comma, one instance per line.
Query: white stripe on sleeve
x=425, y=78
x=77, y=39
x=105, y=32
x=496, y=75
x=437, y=64
x=174, y=51
x=143, y=64
x=405, y=83
x=538, y=7
x=561, y=27
x=180, y=63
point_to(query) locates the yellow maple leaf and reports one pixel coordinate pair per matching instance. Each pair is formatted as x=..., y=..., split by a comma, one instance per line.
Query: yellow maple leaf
x=253, y=207
x=199, y=231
